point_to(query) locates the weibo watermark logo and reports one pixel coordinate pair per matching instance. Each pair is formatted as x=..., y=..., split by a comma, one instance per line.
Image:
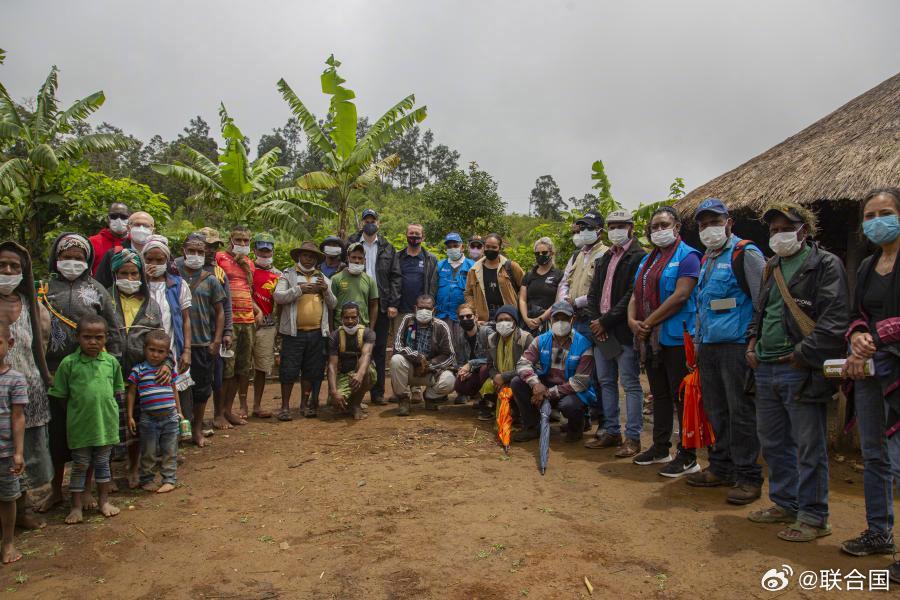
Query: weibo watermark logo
x=775, y=580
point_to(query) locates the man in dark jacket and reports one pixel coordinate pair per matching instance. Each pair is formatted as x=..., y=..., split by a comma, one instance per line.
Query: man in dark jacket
x=383, y=266
x=418, y=270
x=615, y=356
x=792, y=334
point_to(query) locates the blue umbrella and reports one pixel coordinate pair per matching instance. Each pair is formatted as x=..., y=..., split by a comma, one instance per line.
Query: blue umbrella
x=545, y=436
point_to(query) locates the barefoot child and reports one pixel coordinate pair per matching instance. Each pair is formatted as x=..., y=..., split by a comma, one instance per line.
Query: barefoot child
x=13, y=398
x=89, y=383
x=160, y=414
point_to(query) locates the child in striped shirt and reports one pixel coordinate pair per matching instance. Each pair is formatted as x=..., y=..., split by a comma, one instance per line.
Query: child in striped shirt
x=160, y=414
x=13, y=398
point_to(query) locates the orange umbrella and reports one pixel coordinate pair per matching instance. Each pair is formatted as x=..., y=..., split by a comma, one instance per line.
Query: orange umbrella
x=696, y=431
x=504, y=417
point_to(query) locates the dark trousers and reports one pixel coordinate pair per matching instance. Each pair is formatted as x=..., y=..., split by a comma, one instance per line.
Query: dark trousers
x=472, y=384
x=570, y=406
x=664, y=373
x=379, y=353
x=731, y=412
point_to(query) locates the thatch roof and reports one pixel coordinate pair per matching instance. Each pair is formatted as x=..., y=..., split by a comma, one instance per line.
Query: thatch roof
x=840, y=157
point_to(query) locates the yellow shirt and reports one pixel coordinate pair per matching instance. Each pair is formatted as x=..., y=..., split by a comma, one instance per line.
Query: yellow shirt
x=130, y=307
x=309, y=310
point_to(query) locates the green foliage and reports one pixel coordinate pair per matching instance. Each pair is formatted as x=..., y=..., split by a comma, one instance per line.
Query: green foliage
x=465, y=202
x=644, y=211
x=545, y=200
x=521, y=245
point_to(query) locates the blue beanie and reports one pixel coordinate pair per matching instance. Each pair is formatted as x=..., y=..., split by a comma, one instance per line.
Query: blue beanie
x=508, y=309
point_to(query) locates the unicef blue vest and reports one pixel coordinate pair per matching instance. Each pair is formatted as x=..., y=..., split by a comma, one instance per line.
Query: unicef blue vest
x=718, y=282
x=580, y=345
x=173, y=296
x=451, y=288
x=671, y=332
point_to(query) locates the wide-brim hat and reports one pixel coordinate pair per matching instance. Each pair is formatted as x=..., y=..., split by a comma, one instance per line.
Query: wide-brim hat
x=307, y=246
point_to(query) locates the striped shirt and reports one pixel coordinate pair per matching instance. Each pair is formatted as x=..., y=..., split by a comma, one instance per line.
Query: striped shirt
x=153, y=398
x=13, y=390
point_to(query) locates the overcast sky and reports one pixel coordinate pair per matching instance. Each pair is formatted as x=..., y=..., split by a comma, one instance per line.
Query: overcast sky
x=525, y=88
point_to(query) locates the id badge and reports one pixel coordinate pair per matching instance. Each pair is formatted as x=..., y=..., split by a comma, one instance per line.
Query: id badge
x=723, y=304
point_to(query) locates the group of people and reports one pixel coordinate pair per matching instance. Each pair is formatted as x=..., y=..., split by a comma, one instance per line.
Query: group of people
x=120, y=349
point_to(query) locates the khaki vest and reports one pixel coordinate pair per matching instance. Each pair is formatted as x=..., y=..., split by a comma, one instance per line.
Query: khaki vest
x=582, y=274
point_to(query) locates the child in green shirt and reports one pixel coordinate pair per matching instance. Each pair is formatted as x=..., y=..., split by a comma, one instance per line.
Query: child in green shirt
x=89, y=381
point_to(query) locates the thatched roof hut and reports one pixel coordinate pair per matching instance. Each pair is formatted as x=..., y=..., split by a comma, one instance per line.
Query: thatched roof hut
x=828, y=166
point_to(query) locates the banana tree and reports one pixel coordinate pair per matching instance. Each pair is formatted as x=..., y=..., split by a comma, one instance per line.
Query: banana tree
x=245, y=191
x=351, y=164
x=32, y=146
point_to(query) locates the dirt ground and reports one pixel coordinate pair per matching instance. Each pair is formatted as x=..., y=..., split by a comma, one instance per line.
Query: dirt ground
x=419, y=507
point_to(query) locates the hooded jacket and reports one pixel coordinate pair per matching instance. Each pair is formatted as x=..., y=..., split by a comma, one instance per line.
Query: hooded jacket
x=148, y=317
x=387, y=272
x=509, y=286
x=73, y=300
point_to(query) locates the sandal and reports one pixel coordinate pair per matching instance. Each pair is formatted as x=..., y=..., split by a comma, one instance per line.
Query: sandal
x=802, y=532
x=773, y=514
x=261, y=414
x=285, y=415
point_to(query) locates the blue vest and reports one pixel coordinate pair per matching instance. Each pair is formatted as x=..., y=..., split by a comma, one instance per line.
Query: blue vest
x=671, y=332
x=580, y=345
x=450, y=288
x=173, y=297
x=718, y=282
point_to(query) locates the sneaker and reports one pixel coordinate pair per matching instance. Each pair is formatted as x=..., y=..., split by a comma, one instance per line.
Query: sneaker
x=706, y=478
x=894, y=572
x=628, y=448
x=485, y=413
x=869, y=542
x=526, y=435
x=652, y=456
x=684, y=464
x=744, y=493
x=460, y=399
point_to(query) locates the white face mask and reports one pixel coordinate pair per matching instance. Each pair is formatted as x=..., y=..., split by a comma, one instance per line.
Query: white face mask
x=128, y=286
x=194, y=261
x=140, y=234
x=618, y=236
x=240, y=250
x=578, y=240
x=156, y=270
x=264, y=262
x=351, y=330
x=9, y=282
x=118, y=226
x=71, y=269
x=505, y=328
x=454, y=254
x=332, y=250
x=305, y=269
x=663, y=238
x=474, y=253
x=355, y=268
x=713, y=237
x=561, y=328
x=424, y=315
x=785, y=243
x=587, y=236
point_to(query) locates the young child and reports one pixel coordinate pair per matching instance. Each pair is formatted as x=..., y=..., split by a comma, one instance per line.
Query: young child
x=13, y=398
x=89, y=382
x=160, y=414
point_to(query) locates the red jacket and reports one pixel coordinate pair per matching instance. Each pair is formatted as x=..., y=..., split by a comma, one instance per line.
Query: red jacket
x=103, y=242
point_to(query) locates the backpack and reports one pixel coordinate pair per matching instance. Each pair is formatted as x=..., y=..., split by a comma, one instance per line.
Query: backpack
x=737, y=265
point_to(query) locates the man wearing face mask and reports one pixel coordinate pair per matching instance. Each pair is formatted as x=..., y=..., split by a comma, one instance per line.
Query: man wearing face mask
x=451, y=284
x=111, y=236
x=140, y=227
x=383, y=266
x=423, y=356
x=335, y=260
x=579, y=271
x=800, y=321
x=557, y=366
x=726, y=291
x=265, y=277
x=418, y=271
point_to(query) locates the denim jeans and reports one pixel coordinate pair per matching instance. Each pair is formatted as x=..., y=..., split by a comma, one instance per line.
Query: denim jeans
x=877, y=478
x=731, y=412
x=626, y=367
x=793, y=436
x=159, y=440
x=665, y=373
x=570, y=406
x=82, y=458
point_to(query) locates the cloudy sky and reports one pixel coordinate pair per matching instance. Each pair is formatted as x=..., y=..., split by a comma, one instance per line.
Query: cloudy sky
x=657, y=89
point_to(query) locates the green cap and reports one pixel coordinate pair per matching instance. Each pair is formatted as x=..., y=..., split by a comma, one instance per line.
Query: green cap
x=263, y=240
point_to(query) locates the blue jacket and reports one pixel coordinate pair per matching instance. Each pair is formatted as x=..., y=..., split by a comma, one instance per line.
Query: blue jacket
x=671, y=332
x=450, y=288
x=580, y=345
x=718, y=282
x=173, y=296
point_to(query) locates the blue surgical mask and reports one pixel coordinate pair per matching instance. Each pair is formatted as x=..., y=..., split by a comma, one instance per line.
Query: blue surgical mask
x=454, y=254
x=882, y=230
x=370, y=228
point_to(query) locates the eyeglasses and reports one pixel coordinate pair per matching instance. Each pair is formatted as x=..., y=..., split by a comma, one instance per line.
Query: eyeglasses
x=467, y=317
x=475, y=245
x=118, y=216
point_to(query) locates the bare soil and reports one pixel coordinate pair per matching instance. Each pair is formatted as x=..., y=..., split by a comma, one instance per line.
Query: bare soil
x=419, y=507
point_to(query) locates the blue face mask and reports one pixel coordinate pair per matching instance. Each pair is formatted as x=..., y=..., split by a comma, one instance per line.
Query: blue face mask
x=882, y=230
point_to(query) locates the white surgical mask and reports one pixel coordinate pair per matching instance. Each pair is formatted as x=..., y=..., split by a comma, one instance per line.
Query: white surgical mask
x=578, y=240
x=663, y=238
x=351, y=330
x=618, y=236
x=194, y=261
x=505, y=328
x=264, y=262
x=128, y=286
x=454, y=254
x=424, y=315
x=785, y=243
x=355, y=268
x=713, y=237
x=332, y=250
x=240, y=250
x=140, y=234
x=71, y=269
x=156, y=270
x=118, y=226
x=588, y=237
x=9, y=282
x=305, y=269
x=561, y=328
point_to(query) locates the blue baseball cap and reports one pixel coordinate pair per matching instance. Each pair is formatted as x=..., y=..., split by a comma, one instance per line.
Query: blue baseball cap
x=713, y=205
x=453, y=237
x=368, y=213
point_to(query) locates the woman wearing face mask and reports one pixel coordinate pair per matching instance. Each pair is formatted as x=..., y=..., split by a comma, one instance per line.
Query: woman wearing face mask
x=661, y=305
x=875, y=334
x=69, y=295
x=472, y=357
x=139, y=313
x=539, y=287
x=492, y=281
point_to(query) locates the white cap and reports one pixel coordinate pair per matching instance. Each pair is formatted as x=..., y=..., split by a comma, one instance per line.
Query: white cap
x=619, y=216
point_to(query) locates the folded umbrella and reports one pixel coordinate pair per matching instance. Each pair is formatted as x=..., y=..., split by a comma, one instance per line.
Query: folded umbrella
x=696, y=430
x=545, y=437
x=504, y=417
